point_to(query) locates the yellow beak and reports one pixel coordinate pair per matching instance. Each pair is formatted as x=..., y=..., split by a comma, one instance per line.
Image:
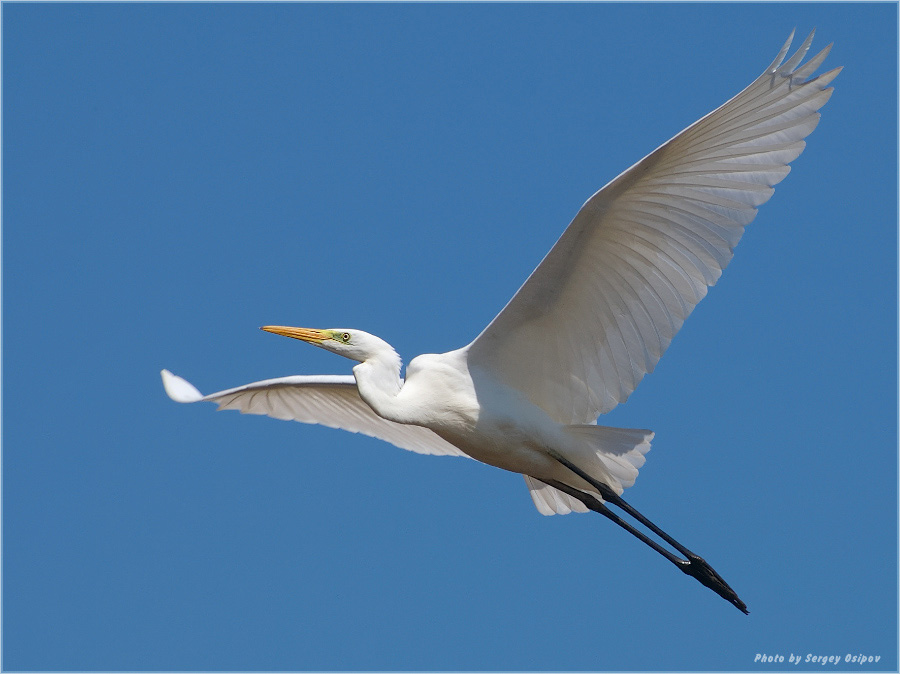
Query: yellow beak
x=305, y=334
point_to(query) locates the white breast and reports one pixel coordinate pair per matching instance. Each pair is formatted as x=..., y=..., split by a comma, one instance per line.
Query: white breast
x=439, y=387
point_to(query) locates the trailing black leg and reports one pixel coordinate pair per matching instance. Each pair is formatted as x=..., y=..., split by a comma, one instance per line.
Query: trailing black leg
x=693, y=565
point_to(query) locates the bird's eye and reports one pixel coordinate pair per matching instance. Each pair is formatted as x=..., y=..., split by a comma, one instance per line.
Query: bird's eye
x=345, y=337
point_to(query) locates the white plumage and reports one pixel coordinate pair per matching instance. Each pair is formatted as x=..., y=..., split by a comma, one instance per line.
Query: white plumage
x=641, y=252
x=329, y=400
x=593, y=318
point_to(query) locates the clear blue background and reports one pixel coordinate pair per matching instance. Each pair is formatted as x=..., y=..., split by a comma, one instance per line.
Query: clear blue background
x=175, y=176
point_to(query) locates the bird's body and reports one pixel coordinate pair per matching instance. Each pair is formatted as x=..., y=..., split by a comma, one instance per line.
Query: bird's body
x=593, y=318
x=497, y=425
x=493, y=423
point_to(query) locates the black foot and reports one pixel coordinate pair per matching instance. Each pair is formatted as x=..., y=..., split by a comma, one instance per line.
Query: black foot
x=698, y=568
x=691, y=564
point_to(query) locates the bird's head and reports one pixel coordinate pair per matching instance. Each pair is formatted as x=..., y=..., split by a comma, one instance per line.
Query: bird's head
x=354, y=344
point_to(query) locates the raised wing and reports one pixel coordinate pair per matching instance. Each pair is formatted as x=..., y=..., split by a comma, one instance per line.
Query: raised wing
x=327, y=400
x=604, y=304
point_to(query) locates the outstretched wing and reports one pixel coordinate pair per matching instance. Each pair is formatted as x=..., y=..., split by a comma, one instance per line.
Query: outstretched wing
x=327, y=400
x=604, y=304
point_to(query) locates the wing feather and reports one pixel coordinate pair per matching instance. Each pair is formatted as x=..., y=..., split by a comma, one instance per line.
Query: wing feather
x=329, y=400
x=603, y=306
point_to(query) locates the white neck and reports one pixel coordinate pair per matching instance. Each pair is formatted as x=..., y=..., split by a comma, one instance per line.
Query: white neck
x=379, y=383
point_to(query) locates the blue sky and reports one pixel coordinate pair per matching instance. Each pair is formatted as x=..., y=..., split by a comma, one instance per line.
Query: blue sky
x=176, y=175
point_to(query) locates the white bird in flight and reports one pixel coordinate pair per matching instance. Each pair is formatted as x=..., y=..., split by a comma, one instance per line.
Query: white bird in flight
x=593, y=318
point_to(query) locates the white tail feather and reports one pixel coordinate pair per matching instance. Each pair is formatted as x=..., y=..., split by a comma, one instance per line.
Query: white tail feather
x=550, y=501
x=614, y=457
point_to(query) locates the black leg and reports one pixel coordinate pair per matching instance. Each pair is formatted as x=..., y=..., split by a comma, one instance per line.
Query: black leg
x=693, y=565
x=591, y=502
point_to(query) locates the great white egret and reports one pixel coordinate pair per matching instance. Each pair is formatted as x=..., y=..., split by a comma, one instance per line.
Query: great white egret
x=593, y=318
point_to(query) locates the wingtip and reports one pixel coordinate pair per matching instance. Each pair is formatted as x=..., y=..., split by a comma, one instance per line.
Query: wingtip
x=178, y=389
x=790, y=40
x=781, y=54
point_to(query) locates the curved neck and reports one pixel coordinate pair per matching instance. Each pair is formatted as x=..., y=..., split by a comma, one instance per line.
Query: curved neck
x=379, y=383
